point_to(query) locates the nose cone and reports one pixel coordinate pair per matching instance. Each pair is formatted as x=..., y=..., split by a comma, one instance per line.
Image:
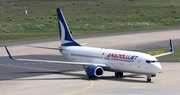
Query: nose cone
x=157, y=67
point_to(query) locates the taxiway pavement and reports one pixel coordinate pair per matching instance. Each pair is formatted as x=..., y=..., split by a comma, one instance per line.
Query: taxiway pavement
x=27, y=78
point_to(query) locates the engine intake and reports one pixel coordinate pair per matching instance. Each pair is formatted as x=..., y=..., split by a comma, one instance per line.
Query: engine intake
x=94, y=71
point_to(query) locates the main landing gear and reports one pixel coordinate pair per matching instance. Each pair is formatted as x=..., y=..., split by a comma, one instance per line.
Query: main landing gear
x=118, y=74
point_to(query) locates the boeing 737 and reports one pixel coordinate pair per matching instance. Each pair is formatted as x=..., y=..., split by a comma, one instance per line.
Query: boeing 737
x=97, y=60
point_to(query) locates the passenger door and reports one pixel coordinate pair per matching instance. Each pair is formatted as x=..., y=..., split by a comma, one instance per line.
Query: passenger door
x=139, y=63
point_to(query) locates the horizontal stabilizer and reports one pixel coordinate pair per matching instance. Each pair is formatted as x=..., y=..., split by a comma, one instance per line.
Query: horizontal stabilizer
x=44, y=47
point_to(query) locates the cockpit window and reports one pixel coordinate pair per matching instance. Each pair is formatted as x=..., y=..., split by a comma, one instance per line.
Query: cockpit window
x=148, y=61
x=151, y=61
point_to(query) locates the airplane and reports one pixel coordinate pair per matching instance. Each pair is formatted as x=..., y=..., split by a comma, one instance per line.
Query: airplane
x=97, y=60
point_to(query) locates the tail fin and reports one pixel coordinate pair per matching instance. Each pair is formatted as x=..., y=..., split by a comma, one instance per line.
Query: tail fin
x=65, y=35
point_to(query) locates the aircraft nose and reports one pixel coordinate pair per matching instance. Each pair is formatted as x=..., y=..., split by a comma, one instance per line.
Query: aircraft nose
x=157, y=67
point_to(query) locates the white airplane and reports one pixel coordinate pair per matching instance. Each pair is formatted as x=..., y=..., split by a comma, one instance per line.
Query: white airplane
x=97, y=60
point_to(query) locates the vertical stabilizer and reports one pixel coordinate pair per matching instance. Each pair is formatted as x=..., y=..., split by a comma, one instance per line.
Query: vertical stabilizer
x=65, y=35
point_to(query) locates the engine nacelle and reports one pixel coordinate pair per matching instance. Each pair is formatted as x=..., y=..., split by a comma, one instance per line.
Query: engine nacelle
x=94, y=71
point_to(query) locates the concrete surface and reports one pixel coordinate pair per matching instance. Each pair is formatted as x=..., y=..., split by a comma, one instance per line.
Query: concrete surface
x=64, y=82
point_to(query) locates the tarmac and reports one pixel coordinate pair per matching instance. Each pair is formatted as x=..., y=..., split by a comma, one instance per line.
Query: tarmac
x=27, y=78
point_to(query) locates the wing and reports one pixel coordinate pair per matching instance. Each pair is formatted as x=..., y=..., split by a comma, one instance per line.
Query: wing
x=171, y=50
x=57, y=62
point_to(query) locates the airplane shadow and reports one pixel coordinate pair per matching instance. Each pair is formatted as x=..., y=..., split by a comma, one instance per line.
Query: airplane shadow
x=78, y=76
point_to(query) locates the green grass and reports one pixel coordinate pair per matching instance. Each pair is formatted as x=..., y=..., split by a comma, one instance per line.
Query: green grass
x=11, y=37
x=85, y=17
x=174, y=56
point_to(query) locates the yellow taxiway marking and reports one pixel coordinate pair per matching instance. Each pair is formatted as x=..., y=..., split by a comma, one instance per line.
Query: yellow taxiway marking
x=92, y=84
x=11, y=65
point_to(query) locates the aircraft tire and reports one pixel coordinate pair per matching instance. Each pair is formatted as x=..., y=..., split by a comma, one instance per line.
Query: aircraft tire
x=148, y=79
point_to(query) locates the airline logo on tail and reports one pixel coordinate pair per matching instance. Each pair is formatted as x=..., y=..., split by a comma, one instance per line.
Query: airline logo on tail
x=65, y=35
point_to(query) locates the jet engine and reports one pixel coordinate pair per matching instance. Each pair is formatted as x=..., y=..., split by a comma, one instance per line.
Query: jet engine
x=94, y=71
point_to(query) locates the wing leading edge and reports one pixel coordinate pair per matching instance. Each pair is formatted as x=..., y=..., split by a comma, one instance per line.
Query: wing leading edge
x=57, y=62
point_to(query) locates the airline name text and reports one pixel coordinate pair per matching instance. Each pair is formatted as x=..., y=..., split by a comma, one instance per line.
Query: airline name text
x=122, y=56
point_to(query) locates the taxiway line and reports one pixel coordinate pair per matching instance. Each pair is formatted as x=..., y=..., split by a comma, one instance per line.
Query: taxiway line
x=92, y=84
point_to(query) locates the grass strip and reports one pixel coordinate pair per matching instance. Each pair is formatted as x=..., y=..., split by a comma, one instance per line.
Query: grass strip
x=85, y=17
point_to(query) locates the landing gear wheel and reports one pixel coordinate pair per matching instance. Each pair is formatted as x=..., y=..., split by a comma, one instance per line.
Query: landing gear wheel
x=148, y=79
x=118, y=74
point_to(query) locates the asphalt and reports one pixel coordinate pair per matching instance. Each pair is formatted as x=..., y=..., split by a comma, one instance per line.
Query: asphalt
x=12, y=69
x=27, y=78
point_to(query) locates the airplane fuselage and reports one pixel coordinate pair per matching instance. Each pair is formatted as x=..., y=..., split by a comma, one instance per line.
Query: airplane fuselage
x=117, y=60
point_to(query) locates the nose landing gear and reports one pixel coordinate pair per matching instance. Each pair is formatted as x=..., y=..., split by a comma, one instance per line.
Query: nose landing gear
x=148, y=79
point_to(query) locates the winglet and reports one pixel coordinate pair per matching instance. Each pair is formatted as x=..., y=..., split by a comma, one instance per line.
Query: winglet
x=8, y=53
x=171, y=46
x=171, y=50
